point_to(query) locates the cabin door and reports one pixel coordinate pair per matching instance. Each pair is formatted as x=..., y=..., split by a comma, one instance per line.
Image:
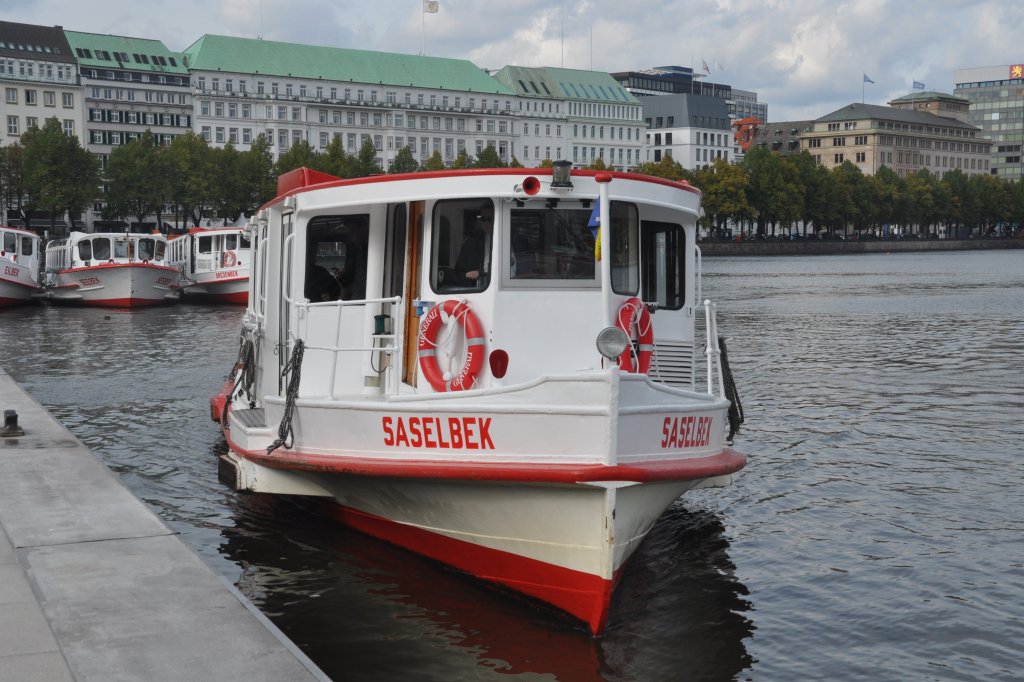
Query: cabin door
x=411, y=320
x=285, y=317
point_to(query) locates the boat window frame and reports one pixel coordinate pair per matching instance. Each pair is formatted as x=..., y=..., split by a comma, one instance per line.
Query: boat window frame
x=355, y=238
x=26, y=246
x=442, y=228
x=96, y=241
x=624, y=272
x=649, y=262
x=10, y=240
x=83, y=245
x=509, y=281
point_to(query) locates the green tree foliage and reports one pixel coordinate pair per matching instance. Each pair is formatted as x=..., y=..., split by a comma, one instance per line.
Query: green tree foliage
x=13, y=187
x=434, y=163
x=404, y=162
x=191, y=160
x=489, y=158
x=139, y=180
x=514, y=163
x=668, y=168
x=60, y=176
x=366, y=161
x=299, y=155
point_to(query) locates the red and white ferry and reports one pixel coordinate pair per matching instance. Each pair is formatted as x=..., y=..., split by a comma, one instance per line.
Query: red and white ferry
x=526, y=417
x=214, y=264
x=111, y=269
x=19, y=266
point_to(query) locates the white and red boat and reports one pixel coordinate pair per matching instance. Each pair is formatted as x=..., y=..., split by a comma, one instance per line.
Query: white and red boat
x=19, y=266
x=214, y=264
x=525, y=418
x=111, y=269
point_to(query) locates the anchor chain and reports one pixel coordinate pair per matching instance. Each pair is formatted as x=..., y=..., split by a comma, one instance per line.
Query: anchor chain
x=293, y=372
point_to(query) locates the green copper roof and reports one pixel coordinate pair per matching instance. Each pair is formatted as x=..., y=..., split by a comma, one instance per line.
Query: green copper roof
x=574, y=84
x=247, y=55
x=119, y=52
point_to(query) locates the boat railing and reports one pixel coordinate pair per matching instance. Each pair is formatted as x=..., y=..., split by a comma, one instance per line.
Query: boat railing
x=713, y=351
x=385, y=347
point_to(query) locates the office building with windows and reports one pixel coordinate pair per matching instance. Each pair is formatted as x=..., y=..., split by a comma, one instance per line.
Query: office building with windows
x=996, y=96
x=290, y=93
x=575, y=115
x=39, y=79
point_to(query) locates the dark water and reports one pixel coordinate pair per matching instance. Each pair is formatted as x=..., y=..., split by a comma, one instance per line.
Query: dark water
x=877, y=532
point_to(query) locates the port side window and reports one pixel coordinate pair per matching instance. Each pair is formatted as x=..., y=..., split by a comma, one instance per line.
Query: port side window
x=10, y=243
x=664, y=248
x=336, y=255
x=85, y=249
x=230, y=242
x=146, y=249
x=161, y=249
x=461, y=245
x=551, y=245
x=206, y=245
x=101, y=248
x=625, y=248
x=244, y=241
x=26, y=246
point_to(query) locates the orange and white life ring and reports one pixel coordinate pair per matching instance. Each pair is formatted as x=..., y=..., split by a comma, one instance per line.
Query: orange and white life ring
x=634, y=315
x=430, y=329
x=229, y=259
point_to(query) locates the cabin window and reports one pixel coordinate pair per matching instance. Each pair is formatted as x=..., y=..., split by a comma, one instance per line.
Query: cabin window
x=462, y=237
x=664, y=258
x=206, y=245
x=230, y=242
x=336, y=258
x=146, y=249
x=625, y=251
x=552, y=243
x=161, y=248
x=396, y=266
x=101, y=248
x=121, y=248
x=26, y=246
x=10, y=243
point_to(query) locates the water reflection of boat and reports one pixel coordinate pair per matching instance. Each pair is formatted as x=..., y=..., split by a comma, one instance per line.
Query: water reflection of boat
x=680, y=614
x=526, y=430
x=19, y=266
x=214, y=264
x=119, y=270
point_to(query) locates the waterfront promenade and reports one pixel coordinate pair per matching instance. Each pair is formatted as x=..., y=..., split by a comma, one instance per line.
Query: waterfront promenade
x=94, y=586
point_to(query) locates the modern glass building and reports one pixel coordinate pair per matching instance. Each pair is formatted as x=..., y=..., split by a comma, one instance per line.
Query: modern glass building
x=996, y=94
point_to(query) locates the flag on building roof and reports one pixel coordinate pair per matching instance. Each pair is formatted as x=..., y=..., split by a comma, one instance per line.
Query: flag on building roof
x=918, y=85
x=705, y=65
x=430, y=6
x=867, y=80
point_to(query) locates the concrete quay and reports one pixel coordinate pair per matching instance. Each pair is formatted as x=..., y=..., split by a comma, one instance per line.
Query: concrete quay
x=94, y=586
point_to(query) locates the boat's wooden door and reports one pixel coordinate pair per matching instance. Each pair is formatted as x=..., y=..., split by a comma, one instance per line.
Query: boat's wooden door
x=414, y=255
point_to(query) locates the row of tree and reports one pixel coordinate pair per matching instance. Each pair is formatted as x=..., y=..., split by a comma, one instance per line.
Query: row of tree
x=770, y=194
x=49, y=173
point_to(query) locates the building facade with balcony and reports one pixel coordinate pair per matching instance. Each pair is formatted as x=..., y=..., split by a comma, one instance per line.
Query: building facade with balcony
x=996, y=95
x=290, y=93
x=39, y=79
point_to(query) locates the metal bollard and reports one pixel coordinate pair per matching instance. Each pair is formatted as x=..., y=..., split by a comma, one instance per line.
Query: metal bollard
x=11, y=428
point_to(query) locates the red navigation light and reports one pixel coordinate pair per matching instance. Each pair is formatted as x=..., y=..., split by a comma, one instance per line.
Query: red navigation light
x=498, y=360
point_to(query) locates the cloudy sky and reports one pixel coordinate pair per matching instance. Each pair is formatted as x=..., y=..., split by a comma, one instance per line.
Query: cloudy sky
x=805, y=58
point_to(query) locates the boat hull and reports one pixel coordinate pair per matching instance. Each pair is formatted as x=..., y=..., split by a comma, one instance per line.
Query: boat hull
x=557, y=525
x=14, y=289
x=116, y=285
x=221, y=286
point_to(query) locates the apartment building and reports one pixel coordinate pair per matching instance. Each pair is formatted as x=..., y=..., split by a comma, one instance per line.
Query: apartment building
x=39, y=79
x=996, y=96
x=291, y=92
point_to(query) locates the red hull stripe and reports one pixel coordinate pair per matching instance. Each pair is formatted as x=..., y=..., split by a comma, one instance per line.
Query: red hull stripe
x=582, y=595
x=241, y=297
x=102, y=266
x=15, y=282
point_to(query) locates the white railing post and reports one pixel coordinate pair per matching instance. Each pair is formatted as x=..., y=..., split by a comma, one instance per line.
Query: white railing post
x=712, y=351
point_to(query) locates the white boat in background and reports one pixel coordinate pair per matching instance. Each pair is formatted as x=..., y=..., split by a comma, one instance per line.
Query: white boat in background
x=111, y=269
x=524, y=414
x=214, y=264
x=19, y=266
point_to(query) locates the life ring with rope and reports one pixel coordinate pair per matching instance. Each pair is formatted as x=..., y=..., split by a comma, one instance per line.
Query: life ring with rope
x=634, y=315
x=430, y=330
x=229, y=259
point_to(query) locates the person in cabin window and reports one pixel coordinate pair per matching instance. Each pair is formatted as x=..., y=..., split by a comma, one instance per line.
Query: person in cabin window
x=320, y=284
x=469, y=266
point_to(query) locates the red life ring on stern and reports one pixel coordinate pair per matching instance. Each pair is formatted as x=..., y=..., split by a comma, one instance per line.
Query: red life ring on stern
x=634, y=313
x=430, y=329
x=229, y=259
